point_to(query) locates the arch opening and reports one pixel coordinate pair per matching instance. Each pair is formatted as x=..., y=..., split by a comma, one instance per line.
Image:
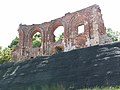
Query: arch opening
x=59, y=34
x=57, y=39
x=36, y=40
x=80, y=29
x=35, y=43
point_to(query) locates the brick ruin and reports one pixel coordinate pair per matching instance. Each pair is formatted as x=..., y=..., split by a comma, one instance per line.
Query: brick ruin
x=94, y=34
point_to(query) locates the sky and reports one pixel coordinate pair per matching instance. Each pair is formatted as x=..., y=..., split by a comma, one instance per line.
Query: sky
x=15, y=12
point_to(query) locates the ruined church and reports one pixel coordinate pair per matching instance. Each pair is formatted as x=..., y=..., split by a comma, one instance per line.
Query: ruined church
x=94, y=34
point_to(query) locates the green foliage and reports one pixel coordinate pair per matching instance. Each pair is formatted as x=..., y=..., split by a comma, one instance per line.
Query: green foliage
x=36, y=40
x=14, y=43
x=60, y=38
x=114, y=35
x=5, y=55
x=37, y=37
x=36, y=43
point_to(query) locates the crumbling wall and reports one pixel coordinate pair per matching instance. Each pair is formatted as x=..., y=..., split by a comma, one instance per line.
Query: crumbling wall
x=94, y=33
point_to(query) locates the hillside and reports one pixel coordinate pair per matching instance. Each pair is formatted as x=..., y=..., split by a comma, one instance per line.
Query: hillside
x=89, y=67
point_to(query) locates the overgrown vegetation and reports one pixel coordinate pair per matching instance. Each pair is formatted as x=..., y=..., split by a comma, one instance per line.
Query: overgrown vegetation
x=115, y=35
x=5, y=55
x=36, y=40
x=14, y=43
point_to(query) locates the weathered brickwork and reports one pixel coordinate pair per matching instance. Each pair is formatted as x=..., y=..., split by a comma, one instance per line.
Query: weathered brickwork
x=94, y=34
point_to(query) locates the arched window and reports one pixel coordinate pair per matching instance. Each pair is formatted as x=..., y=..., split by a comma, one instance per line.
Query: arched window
x=36, y=40
x=80, y=29
x=59, y=34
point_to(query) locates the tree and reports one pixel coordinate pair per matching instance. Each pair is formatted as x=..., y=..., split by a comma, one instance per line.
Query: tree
x=115, y=35
x=5, y=55
x=37, y=36
x=14, y=43
x=60, y=38
x=36, y=40
x=36, y=43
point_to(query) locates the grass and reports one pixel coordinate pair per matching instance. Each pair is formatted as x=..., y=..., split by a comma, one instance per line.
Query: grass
x=57, y=87
x=103, y=88
x=61, y=87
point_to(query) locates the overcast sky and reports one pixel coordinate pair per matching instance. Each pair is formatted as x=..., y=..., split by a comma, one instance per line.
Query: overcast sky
x=14, y=12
